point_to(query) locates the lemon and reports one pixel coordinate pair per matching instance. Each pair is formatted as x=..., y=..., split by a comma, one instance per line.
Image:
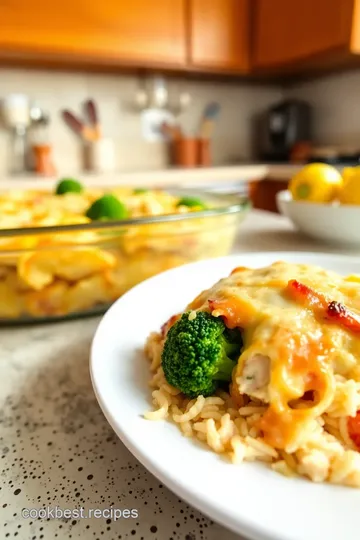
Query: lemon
x=347, y=172
x=350, y=194
x=316, y=182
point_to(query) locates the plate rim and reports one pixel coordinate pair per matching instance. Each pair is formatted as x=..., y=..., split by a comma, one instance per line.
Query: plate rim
x=185, y=492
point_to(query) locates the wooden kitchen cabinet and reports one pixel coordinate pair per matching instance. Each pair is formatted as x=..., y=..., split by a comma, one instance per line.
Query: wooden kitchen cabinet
x=235, y=37
x=219, y=35
x=116, y=31
x=287, y=33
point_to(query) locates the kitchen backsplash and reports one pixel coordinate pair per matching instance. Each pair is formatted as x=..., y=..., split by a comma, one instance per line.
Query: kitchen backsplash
x=336, y=103
x=334, y=99
x=115, y=97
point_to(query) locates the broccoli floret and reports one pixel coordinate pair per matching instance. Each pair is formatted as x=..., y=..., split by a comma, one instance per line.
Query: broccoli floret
x=68, y=185
x=200, y=353
x=191, y=202
x=107, y=207
x=140, y=191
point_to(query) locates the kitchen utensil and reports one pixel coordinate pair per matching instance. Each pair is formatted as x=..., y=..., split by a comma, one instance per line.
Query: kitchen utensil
x=141, y=95
x=184, y=101
x=91, y=112
x=77, y=126
x=160, y=95
x=179, y=102
x=210, y=114
x=166, y=130
x=153, y=93
x=38, y=116
x=172, y=131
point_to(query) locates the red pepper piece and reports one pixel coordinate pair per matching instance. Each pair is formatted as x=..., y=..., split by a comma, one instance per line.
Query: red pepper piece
x=354, y=429
x=332, y=311
x=306, y=295
x=340, y=314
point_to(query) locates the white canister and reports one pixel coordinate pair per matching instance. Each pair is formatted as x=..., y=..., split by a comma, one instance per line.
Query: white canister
x=15, y=110
x=100, y=156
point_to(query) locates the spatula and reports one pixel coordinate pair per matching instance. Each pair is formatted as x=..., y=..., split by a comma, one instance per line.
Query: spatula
x=85, y=132
x=92, y=114
x=207, y=124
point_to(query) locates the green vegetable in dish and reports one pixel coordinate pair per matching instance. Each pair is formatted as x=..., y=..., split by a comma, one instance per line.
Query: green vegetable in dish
x=140, y=191
x=68, y=185
x=107, y=207
x=200, y=353
x=191, y=202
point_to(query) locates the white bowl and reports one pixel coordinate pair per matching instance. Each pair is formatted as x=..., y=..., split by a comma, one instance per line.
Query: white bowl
x=331, y=223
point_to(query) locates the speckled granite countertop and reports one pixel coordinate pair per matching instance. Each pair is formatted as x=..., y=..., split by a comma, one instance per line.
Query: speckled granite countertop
x=57, y=448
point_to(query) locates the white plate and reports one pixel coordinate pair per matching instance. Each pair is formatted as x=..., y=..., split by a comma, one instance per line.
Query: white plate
x=337, y=224
x=250, y=499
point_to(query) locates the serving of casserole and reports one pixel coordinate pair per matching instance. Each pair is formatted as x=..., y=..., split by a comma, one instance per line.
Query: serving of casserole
x=265, y=365
x=75, y=250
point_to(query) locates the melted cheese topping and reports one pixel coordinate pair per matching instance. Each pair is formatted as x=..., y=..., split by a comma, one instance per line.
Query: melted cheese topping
x=305, y=352
x=36, y=208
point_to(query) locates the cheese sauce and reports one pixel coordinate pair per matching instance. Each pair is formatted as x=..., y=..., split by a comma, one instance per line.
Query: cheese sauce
x=305, y=352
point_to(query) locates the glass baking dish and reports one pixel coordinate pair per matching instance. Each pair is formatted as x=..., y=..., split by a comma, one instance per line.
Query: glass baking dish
x=57, y=272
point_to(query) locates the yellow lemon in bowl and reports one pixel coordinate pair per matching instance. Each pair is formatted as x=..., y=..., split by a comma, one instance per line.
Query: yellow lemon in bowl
x=350, y=193
x=316, y=182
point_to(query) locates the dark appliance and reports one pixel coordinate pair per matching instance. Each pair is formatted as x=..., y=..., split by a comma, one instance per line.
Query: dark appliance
x=282, y=126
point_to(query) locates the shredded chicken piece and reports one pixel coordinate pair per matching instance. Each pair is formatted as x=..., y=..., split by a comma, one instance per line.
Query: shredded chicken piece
x=255, y=377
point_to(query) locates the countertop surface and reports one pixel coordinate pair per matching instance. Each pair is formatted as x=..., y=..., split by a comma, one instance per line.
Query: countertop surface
x=58, y=450
x=198, y=177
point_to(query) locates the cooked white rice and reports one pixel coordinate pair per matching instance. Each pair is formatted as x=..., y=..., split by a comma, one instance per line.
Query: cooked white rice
x=325, y=453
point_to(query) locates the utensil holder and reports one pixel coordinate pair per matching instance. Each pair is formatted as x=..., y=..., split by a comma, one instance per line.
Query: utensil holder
x=186, y=152
x=99, y=156
x=205, y=158
x=191, y=152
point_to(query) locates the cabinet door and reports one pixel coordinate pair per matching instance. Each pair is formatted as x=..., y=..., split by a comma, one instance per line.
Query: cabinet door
x=133, y=31
x=220, y=34
x=286, y=31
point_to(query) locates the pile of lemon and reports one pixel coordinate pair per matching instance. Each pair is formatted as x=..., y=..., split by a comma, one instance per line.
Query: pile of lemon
x=321, y=183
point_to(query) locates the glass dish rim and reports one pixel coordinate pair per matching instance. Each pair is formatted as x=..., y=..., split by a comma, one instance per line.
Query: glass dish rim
x=240, y=204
